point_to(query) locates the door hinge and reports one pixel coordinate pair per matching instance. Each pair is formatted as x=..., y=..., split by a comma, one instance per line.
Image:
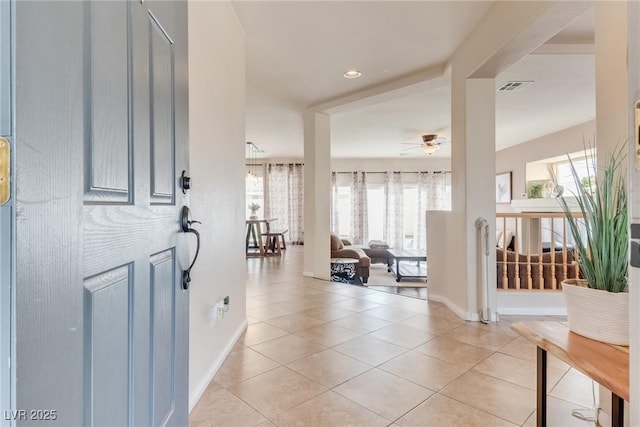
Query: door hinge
x=5, y=170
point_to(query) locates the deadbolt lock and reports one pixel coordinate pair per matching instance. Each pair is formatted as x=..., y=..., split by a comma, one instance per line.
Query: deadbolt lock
x=5, y=170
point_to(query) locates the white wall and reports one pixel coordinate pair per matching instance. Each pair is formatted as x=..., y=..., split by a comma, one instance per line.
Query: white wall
x=217, y=150
x=398, y=165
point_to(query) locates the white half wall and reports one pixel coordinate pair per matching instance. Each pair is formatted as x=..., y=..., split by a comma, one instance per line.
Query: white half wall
x=217, y=149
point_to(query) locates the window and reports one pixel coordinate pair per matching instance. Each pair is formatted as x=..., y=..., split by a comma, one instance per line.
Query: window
x=375, y=211
x=410, y=201
x=344, y=211
x=584, y=168
x=254, y=190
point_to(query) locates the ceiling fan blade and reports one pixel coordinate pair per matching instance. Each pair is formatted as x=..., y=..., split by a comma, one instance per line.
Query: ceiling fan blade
x=412, y=148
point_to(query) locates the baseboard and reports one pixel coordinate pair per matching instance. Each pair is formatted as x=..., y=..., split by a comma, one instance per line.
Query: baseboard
x=459, y=311
x=531, y=303
x=200, y=389
x=307, y=274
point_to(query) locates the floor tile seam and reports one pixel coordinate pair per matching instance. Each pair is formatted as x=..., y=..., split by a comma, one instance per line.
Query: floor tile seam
x=378, y=414
x=358, y=404
x=403, y=415
x=251, y=376
x=400, y=324
x=509, y=381
x=317, y=396
x=270, y=418
x=337, y=385
x=411, y=380
x=472, y=364
x=492, y=348
x=364, y=361
x=297, y=330
x=525, y=360
x=574, y=404
x=400, y=345
x=360, y=331
x=390, y=320
x=549, y=394
x=299, y=358
x=483, y=410
x=500, y=379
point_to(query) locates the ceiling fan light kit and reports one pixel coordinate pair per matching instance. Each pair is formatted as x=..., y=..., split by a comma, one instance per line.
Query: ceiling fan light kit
x=430, y=149
x=430, y=144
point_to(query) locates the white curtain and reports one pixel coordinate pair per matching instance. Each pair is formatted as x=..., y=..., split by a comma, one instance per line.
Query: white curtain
x=335, y=223
x=284, y=199
x=393, y=230
x=434, y=193
x=359, y=223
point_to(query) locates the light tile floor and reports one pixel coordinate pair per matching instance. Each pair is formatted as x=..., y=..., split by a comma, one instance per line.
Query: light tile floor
x=324, y=354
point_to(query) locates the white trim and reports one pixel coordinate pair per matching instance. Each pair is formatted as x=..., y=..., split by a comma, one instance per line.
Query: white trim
x=531, y=303
x=308, y=274
x=195, y=397
x=460, y=312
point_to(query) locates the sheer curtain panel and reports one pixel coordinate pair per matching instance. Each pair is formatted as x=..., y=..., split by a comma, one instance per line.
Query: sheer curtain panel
x=359, y=223
x=393, y=229
x=284, y=199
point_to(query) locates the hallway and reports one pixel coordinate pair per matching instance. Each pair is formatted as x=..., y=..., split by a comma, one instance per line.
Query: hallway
x=322, y=354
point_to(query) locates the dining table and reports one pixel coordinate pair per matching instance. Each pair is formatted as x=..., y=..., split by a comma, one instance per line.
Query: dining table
x=253, y=239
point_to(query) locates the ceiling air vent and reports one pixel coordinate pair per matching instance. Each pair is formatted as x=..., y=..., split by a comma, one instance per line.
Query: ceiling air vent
x=514, y=86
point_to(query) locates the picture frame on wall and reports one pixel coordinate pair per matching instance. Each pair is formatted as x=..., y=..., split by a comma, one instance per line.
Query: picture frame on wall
x=503, y=187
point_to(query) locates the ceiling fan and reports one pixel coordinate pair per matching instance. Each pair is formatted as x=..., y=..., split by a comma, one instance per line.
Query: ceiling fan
x=430, y=144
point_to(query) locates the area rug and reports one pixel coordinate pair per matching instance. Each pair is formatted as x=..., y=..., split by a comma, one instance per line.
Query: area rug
x=379, y=276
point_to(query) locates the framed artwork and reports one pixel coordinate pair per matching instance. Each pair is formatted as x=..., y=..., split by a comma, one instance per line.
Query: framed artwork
x=503, y=187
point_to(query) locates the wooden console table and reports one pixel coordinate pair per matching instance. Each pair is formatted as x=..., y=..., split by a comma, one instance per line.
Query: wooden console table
x=604, y=363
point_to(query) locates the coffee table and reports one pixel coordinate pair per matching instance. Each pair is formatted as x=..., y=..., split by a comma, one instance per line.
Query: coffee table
x=406, y=270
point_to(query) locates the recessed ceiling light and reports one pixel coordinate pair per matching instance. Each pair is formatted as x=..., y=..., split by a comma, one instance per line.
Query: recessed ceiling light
x=352, y=74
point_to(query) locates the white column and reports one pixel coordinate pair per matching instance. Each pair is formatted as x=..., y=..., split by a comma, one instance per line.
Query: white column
x=634, y=185
x=611, y=77
x=612, y=126
x=317, y=193
x=480, y=168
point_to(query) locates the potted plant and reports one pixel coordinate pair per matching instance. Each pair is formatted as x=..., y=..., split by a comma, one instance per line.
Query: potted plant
x=253, y=207
x=598, y=304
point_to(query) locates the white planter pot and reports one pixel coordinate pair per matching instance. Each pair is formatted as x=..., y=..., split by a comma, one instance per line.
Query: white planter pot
x=599, y=315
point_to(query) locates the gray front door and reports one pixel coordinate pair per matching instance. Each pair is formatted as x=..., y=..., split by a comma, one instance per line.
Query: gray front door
x=101, y=139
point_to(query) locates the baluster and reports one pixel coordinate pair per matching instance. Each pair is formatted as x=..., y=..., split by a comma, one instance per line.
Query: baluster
x=516, y=248
x=540, y=265
x=552, y=252
x=564, y=249
x=529, y=280
x=505, y=277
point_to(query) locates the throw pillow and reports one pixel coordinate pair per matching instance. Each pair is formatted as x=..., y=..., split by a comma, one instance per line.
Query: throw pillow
x=336, y=243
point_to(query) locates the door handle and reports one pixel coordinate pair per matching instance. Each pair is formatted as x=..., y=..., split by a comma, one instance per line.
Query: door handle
x=185, y=224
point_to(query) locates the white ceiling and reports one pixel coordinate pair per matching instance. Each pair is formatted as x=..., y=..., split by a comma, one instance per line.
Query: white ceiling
x=297, y=52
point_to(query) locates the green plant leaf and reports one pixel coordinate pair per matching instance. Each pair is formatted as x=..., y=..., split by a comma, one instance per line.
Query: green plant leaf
x=601, y=233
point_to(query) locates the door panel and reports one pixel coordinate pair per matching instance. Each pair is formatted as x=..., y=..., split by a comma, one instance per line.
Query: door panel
x=107, y=347
x=102, y=320
x=163, y=311
x=107, y=100
x=162, y=117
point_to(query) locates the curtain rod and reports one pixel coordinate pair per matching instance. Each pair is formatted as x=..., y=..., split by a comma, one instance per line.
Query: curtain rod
x=274, y=164
x=400, y=172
